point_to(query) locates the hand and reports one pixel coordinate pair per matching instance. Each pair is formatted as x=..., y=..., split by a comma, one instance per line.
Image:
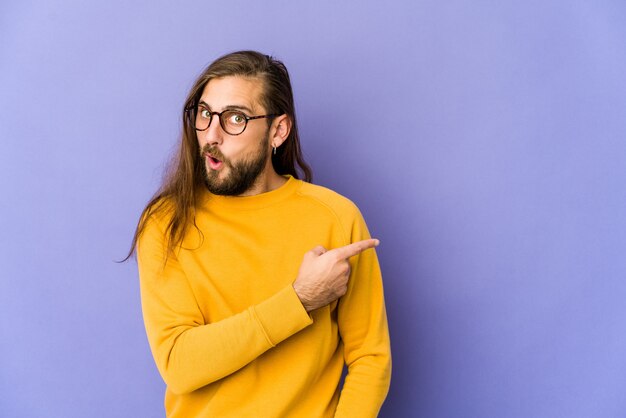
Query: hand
x=323, y=275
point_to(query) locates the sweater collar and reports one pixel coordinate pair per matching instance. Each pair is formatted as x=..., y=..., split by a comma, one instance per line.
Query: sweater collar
x=251, y=202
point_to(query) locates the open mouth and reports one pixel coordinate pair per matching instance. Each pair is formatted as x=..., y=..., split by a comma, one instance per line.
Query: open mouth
x=214, y=163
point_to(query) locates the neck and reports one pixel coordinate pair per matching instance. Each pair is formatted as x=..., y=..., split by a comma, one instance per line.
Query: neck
x=267, y=181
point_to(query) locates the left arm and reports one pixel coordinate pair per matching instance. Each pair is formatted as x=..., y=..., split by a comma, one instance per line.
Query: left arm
x=363, y=328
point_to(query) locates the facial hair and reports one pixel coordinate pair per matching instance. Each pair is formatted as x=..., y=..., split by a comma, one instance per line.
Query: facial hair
x=242, y=174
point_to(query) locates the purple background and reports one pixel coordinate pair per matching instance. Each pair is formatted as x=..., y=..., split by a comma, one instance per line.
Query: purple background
x=485, y=143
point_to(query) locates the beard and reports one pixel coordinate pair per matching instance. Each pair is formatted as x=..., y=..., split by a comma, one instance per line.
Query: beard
x=241, y=174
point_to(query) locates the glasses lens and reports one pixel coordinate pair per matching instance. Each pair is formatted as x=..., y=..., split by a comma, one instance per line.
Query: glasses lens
x=203, y=118
x=233, y=122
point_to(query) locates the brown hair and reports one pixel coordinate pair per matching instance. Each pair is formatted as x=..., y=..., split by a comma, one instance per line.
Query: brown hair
x=185, y=172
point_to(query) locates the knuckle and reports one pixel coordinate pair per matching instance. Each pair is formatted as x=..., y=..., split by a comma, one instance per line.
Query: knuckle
x=345, y=268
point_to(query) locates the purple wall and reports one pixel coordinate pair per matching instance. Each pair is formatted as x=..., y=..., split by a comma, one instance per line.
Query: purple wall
x=485, y=143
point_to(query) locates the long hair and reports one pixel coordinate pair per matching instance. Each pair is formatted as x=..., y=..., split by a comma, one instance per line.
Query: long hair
x=184, y=176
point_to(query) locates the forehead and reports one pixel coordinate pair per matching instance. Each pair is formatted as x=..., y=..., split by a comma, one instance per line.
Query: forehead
x=223, y=92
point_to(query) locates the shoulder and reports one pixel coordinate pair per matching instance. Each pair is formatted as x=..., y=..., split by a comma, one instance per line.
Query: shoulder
x=339, y=207
x=155, y=222
x=159, y=213
x=332, y=201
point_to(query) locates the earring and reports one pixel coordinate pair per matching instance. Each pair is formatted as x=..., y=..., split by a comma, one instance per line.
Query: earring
x=274, y=150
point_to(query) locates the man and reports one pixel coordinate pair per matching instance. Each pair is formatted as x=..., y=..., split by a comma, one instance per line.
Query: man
x=258, y=287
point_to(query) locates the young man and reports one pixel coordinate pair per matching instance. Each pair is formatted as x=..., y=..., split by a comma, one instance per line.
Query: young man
x=258, y=287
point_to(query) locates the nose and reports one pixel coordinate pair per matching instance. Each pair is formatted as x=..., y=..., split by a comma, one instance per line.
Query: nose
x=214, y=134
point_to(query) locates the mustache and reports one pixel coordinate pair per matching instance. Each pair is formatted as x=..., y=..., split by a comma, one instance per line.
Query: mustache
x=213, y=151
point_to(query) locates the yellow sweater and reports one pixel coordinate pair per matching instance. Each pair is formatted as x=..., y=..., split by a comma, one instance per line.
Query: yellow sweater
x=226, y=328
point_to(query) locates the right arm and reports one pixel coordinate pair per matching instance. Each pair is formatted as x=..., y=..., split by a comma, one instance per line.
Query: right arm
x=189, y=352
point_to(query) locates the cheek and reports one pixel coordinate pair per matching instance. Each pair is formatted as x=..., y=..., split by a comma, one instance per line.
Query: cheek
x=239, y=146
x=201, y=143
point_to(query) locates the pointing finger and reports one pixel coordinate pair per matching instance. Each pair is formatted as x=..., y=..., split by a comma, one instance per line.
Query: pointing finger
x=355, y=248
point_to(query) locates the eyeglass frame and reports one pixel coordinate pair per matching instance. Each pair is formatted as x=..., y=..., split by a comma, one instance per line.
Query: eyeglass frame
x=194, y=115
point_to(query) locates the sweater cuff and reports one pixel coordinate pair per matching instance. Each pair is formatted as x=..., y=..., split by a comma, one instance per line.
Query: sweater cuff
x=282, y=315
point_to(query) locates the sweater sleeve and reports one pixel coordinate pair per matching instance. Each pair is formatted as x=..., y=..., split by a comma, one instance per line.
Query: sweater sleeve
x=363, y=327
x=188, y=352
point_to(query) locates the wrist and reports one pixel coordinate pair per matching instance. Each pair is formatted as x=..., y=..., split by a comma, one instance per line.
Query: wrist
x=301, y=296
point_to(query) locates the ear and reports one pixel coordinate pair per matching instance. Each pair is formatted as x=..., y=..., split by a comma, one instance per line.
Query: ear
x=280, y=130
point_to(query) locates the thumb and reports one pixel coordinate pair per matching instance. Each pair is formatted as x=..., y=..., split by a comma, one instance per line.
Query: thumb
x=319, y=250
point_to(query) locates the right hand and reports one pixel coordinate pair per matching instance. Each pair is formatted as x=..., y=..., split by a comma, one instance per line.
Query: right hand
x=323, y=275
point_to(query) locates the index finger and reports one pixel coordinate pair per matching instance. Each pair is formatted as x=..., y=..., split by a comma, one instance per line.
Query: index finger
x=355, y=248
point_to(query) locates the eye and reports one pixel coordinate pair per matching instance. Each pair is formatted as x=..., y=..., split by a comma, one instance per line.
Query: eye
x=236, y=118
x=205, y=113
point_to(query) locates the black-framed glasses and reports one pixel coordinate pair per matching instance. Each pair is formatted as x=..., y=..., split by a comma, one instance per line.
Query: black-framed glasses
x=233, y=122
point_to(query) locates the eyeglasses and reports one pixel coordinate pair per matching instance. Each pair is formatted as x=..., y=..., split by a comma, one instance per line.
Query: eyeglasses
x=233, y=122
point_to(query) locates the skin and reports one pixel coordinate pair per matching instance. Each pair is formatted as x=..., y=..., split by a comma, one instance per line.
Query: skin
x=226, y=92
x=323, y=274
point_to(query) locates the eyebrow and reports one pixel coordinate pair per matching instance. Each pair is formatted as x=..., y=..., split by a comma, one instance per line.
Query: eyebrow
x=228, y=107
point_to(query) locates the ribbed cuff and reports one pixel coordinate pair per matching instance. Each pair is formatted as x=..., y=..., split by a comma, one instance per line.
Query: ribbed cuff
x=282, y=315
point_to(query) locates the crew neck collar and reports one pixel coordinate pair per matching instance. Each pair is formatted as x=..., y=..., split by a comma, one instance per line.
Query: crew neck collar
x=255, y=201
